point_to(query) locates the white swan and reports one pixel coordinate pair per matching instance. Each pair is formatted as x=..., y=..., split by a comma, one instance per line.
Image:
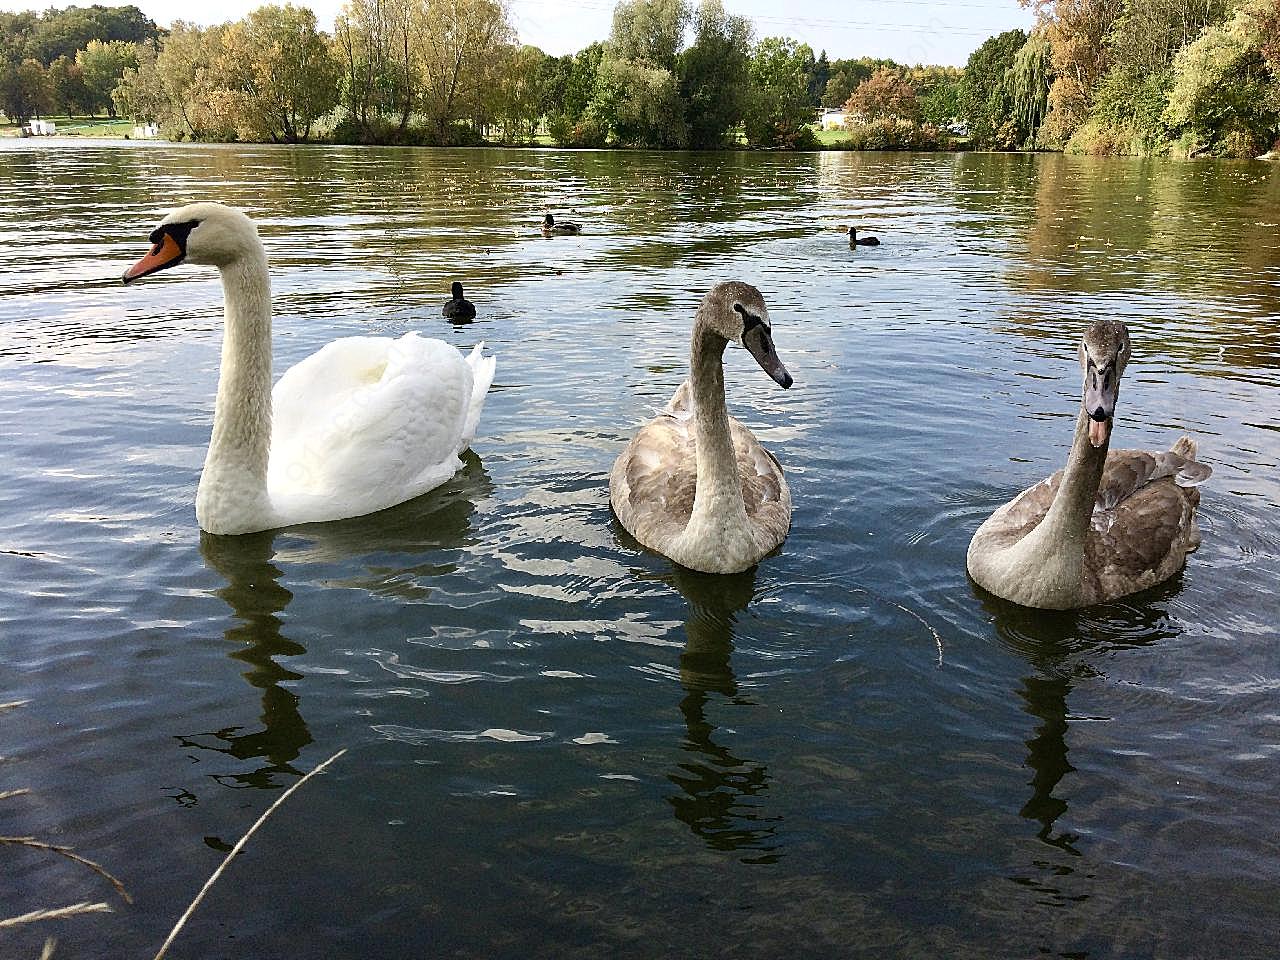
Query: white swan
x=695, y=484
x=1105, y=526
x=362, y=424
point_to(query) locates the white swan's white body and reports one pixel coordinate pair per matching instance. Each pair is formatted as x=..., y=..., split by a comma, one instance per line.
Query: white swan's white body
x=362, y=424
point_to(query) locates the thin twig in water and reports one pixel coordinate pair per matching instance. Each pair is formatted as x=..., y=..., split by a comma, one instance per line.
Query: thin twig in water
x=47, y=952
x=173, y=934
x=937, y=638
x=6, y=794
x=71, y=855
x=13, y=703
x=57, y=914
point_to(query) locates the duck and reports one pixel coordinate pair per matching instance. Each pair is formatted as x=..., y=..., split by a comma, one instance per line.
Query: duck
x=362, y=424
x=567, y=227
x=459, y=309
x=694, y=484
x=1109, y=524
x=856, y=241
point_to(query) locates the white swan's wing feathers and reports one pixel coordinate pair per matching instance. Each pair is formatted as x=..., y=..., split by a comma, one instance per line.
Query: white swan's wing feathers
x=482, y=371
x=368, y=422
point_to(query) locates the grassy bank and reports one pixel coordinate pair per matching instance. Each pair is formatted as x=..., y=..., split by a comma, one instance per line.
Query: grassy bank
x=77, y=127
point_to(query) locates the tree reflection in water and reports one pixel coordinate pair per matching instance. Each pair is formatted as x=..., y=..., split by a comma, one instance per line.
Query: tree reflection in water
x=716, y=786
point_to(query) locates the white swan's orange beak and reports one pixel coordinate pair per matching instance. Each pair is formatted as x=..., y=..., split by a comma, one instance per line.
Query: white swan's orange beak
x=166, y=253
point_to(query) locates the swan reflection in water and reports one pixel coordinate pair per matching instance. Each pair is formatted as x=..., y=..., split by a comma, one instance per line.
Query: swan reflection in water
x=1061, y=648
x=718, y=789
x=418, y=531
x=257, y=599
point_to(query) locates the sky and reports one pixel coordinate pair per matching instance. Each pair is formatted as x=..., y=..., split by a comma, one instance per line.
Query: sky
x=908, y=31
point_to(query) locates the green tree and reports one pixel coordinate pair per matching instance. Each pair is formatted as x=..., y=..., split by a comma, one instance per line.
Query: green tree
x=517, y=94
x=819, y=74
x=986, y=102
x=140, y=94
x=885, y=95
x=1224, y=94
x=639, y=104
x=1028, y=80
x=61, y=33
x=1077, y=31
x=570, y=94
x=370, y=37
x=649, y=31
x=451, y=40
x=637, y=93
x=778, y=110
x=185, y=88
x=581, y=83
x=67, y=86
x=102, y=64
x=282, y=71
x=15, y=32
x=1147, y=34
x=715, y=77
x=25, y=91
x=938, y=93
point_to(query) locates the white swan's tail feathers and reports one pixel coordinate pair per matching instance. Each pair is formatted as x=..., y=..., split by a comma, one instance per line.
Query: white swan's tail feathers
x=1185, y=447
x=482, y=371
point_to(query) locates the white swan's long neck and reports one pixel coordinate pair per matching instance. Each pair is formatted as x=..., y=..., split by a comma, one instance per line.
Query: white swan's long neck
x=719, y=490
x=233, y=487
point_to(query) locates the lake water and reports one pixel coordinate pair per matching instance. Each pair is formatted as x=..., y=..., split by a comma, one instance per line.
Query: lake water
x=558, y=744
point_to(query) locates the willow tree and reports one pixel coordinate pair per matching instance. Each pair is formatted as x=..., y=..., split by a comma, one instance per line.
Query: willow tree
x=1077, y=32
x=985, y=99
x=649, y=31
x=181, y=89
x=639, y=104
x=1028, y=81
x=637, y=96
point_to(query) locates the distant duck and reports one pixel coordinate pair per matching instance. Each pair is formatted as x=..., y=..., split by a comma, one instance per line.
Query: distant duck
x=856, y=241
x=459, y=309
x=567, y=227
